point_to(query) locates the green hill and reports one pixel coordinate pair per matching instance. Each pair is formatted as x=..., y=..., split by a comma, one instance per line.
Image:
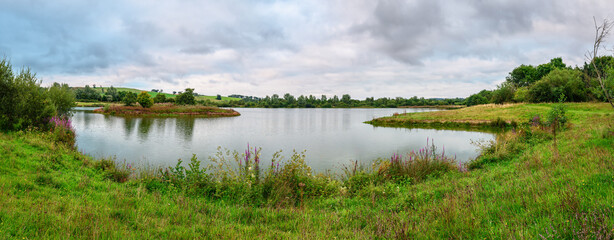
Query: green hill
x=168, y=95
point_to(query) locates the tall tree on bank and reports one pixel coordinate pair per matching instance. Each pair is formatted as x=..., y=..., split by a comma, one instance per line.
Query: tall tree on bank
x=601, y=33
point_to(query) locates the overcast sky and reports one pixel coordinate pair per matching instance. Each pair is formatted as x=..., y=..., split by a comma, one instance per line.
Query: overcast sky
x=363, y=48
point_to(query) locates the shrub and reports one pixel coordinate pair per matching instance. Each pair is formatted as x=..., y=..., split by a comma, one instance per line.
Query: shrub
x=23, y=102
x=145, y=100
x=62, y=130
x=62, y=98
x=186, y=98
x=160, y=98
x=130, y=98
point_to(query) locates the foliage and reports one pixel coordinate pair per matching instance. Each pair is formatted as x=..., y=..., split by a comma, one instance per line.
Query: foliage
x=112, y=95
x=23, y=102
x=505, y=93
x=87, y=93
x=62, y=98
x=186, y=98
x=557, y=82
x=482, y=97
x=522, y=76
x=302, y=101
x=145, y=100
x=521, y=94
x=130, y=98
x=159, y=98
x=62, y=130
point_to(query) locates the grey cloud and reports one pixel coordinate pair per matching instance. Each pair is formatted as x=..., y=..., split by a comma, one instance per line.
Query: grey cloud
x=403, y=29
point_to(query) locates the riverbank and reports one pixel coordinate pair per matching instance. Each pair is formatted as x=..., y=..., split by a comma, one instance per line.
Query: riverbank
x=484, y=116
x=167, y=110
x=521, y=187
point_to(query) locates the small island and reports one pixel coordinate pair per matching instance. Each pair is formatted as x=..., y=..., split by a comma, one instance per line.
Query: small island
x=182, y=105
x=167, y=110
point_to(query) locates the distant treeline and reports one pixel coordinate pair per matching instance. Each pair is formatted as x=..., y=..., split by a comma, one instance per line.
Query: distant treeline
x=289, y=101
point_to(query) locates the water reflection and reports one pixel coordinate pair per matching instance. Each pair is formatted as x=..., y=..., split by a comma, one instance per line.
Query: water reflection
x=331, y=137
x=144, y=127
x=129, y=124
x=185, y=128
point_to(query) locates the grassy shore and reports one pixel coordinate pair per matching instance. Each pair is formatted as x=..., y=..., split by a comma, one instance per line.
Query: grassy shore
x=167, y=110
x=521, y=187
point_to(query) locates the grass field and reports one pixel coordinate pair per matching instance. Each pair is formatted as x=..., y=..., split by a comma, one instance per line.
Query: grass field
x=521, y=187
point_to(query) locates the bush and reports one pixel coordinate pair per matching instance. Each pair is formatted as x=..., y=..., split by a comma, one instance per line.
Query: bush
x=557, y=82
x=130, y=98
x=145, y=100
x=23, y=103
x=62, y=98
x=63, y=131
x=186, y=98
x=160, y=98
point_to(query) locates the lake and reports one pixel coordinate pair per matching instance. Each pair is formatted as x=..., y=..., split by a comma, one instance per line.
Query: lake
x=330, y=137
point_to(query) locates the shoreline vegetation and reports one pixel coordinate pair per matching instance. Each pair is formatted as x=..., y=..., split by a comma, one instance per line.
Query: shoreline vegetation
x=167, y=110
x=522, y=186
x=487, y=116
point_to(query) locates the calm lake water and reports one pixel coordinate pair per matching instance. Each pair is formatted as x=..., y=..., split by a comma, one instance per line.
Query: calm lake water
x=330, y=137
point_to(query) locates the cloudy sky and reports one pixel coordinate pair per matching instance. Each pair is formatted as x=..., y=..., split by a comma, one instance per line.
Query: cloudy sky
x=365, y=48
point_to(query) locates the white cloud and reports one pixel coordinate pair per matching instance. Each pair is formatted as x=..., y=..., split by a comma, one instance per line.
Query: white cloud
x=384, y=48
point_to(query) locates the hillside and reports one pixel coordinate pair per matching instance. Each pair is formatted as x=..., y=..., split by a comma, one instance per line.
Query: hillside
x=168, y=95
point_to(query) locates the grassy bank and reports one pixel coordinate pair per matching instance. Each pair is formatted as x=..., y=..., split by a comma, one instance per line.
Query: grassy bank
x=520, y=188
x=167, y=110
x=489, y=115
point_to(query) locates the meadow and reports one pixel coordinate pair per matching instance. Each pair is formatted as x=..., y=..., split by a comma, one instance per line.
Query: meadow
x=522, y=186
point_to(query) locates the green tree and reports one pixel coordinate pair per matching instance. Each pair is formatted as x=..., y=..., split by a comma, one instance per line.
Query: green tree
x=218, y=97
x=130, y=98
x=145, y=100
x=345, y=98
x=521, y=94
x=186, y=98
x=505, y=93
x=160, y=98
x=112, y=94
x=522, y=76
x=476, y=99
x=559, y=81
x=289, y=99
x=23, y=102
x=62, y=98
x=87, y=93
